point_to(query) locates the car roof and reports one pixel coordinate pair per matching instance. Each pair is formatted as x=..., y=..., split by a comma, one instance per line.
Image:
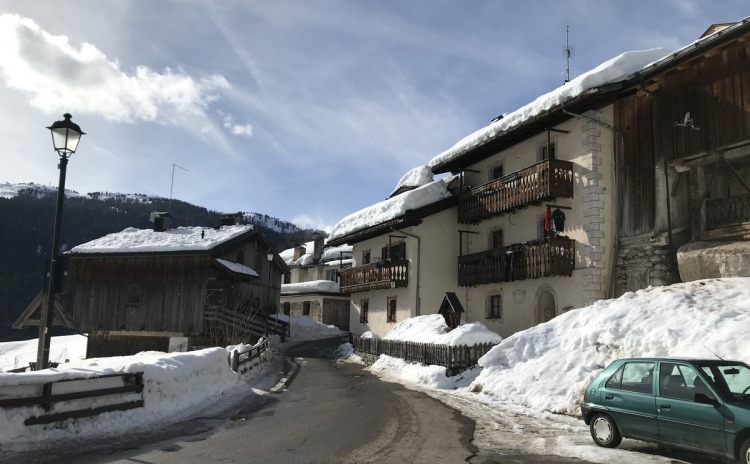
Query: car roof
x=689, y=360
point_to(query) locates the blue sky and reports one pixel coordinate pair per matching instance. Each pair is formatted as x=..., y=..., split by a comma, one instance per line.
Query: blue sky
x=303, y=110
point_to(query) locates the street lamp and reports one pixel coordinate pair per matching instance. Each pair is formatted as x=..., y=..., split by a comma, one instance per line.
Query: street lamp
x=65, y=137
x=269, y=257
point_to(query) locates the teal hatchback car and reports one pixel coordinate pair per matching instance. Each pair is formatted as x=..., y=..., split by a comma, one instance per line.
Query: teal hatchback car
x=696, y=404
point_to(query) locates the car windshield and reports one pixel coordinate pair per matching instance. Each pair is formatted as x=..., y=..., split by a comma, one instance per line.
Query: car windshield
x=732, y=379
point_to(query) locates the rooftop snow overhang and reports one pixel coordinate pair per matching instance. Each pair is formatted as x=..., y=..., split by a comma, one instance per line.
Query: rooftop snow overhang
x=410, y=218
x=592, y=99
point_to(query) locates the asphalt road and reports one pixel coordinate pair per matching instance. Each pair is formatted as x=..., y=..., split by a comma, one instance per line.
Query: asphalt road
x=321, y=411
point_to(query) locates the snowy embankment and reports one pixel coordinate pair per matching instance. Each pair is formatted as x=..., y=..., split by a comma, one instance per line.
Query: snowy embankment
x=175, y=384
x=547, y=367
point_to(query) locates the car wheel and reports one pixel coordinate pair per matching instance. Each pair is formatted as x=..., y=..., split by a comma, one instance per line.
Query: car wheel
x=744, y=457
x=604, y=431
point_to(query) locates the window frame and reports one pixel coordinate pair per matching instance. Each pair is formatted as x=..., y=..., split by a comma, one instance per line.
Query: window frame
x=489, y=310
x=391, y=309
x=364, y=309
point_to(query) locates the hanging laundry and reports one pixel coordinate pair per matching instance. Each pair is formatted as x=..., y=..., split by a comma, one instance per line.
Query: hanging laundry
x=546, y=222
x=558, y=219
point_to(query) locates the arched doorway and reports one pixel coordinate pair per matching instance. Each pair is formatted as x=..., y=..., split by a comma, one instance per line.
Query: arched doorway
x=545, y=305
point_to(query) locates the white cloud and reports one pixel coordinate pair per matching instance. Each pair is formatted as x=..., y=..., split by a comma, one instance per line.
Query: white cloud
x=236, y=129
x=58, y=77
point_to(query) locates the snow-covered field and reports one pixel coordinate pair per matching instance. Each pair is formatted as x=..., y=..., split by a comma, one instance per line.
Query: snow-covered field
x=524, y=395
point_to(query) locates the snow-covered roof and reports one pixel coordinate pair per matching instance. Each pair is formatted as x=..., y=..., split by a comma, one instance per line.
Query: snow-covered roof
x=313, y=286
x=609, y=72
x=392, y=208
x=417, y=177
x=132, y=240
x=329, y=254
x=238, y=268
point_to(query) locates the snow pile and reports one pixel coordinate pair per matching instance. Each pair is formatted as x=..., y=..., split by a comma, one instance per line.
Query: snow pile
x=238, y=268
x=433, y=329
x=313, y=286
x=345, y=353
x=391, y=208
x=548, y=366
x=614, y=70
x=417, y=177
x=146, y=240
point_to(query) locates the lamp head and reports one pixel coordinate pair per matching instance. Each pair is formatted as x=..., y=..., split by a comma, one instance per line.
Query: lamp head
x=65, y=136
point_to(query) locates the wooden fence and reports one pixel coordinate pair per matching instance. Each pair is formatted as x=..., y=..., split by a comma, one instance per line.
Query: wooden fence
x=119, y=388
x=244, y=361
x=454, y=358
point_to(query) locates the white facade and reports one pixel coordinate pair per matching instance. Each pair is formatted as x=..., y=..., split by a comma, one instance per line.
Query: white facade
x=432, y=272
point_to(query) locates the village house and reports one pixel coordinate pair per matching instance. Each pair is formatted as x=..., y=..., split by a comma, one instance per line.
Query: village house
x=311, y=288
x=169, y=289
x=403, y=253
x=633, y=174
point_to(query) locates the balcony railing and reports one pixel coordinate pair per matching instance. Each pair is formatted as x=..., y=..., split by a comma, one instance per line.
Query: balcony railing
x=551, y=257
x=375, y=276
x=725, y=212
x=542, y=181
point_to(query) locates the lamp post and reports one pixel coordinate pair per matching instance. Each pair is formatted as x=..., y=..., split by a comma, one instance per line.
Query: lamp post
x=65, y=137
x=269, y=257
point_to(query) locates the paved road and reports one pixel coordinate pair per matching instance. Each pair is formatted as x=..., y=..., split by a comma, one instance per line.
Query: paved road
x=321, y=412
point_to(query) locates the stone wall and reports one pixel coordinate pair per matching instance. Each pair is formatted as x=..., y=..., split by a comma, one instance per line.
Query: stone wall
x=642, y=265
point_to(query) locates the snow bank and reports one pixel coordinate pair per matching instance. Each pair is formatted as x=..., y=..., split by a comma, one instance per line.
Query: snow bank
x=433, y=329
x=548, y=366
x=146, y=240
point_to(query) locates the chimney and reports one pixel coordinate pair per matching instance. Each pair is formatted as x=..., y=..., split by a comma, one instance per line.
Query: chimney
x=318, y=240
x=230, y=219
x=299, y=250
x=161, y=221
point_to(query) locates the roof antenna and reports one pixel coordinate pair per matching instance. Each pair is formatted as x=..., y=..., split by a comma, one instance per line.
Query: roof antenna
x=709, y=349
x=568, y=53
x=172, y=186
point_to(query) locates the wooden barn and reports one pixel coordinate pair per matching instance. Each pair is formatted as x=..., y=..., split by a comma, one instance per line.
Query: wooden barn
x=684, y=124
x=165, y=290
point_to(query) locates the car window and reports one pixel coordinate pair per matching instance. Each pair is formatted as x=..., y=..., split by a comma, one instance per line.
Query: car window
x=730, y=378
x=681, y=381
x=633, y=376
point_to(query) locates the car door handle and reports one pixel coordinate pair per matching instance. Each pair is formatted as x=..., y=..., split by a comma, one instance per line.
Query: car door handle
x=608, y=397
x=666, y=406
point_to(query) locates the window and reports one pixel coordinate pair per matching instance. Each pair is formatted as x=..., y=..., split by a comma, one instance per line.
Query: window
x=494, y=307
x=496, y=239
x=133, y=297
x=391, y=310
x=396, y=251
x=497, y=172
x=675, y=381
x=547, y=151
x=633, y=376
x=305, y=308
x=365, y=256
x=287, y=308
x=364, y=309
x=332, y=275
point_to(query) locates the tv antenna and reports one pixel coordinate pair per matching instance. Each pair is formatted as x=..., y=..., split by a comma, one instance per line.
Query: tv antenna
x=172, y=186
x=568, y=53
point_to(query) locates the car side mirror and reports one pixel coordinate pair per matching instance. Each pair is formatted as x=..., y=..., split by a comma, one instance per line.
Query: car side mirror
x=702, y=398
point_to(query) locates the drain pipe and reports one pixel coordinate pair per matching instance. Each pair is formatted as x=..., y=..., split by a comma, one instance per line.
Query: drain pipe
x=618, y=197
x=419, y=263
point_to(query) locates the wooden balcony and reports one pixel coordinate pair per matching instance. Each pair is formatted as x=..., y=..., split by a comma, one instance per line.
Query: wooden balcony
x=552, y=257
x=542, y=181
x=375, y=276
x=726, y=212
